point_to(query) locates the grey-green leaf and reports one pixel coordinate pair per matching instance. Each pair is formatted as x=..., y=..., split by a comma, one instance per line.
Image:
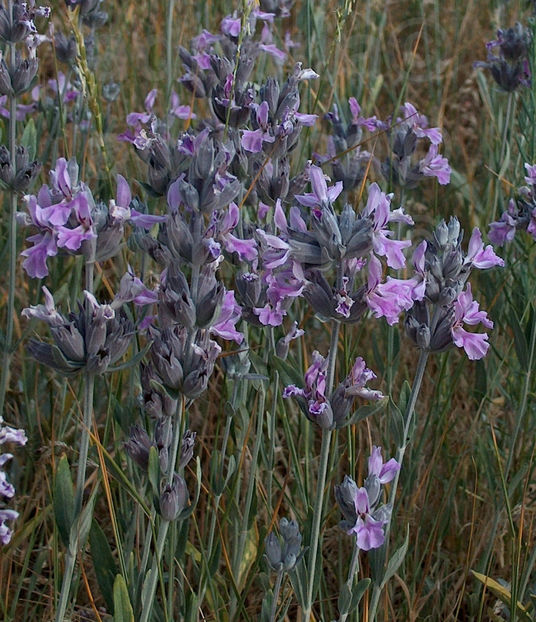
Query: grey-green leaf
x=103, y=562
x=63, y=500
x=122, y=608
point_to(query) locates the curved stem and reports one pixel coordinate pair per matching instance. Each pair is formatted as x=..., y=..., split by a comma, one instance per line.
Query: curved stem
x=408, y=420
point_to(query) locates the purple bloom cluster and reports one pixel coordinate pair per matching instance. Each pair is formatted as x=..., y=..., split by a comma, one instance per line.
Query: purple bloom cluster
x=67, y=218
x=7, y=491
x=363, y=514
x=331, y=411
x=408, y=133
x=437, y=321
x=520, y=214
x=508, y=58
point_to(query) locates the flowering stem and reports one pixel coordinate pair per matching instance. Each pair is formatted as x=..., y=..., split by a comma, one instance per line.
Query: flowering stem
x=401, y=450
x=523, y=407
x=354, y=565
x=169, y=49
x=504, y=141
x=249, y=496
x=321, y=482
x=149, y=591
x=275, y=598
x=12, y=241
x=89, y=386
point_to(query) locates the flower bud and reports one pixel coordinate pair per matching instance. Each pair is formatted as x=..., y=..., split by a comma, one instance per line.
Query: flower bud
x=173, y=499
x=138, y=446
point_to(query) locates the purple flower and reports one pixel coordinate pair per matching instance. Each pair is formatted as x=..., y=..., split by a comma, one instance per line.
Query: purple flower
x=178, y=110
x=389, y=299
x=231, y=26
x=7, y=490
x=368, y=531
x=5, y=531
x=321, y=194
x=479, y=256
x=419, y=124
x=359, y=376
x=229, y=315
x=363, y=515
x=385, y=472
x=314, y=392
x=466, y=310
x=435, y=165
x=378, y=208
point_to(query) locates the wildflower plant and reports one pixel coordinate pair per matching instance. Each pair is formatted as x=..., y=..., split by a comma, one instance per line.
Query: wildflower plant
x=209, y=304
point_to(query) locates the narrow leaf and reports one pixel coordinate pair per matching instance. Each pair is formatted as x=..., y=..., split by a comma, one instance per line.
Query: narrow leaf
x=122, y=608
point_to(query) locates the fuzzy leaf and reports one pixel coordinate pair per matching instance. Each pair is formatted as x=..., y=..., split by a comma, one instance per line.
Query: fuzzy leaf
x=395, y=561
x=64, y=500
x=103, y=562
x=29, y=139
x=122, y=608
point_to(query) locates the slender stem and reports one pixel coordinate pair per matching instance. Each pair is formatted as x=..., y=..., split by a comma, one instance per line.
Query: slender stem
x=321, y=482
x=504, y=142
x=523, y=406
x=249, y=497
x=408, y=420
x=12, y=241
x=354, y=564
x=275, y=598
x=89, y=387
x=164, y=524
x=169, y=49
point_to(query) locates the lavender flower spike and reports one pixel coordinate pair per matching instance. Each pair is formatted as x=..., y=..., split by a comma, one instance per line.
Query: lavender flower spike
x=363, y=516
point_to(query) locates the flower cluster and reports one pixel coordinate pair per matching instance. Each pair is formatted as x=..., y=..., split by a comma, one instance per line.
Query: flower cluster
x=331, y=411
x=283, y=552
x=520, y=214
x=406, y=133
x=437, y=321
x=7, y=491
x=508, y=58
x=364, y=516
x=90, y=340
x=66, y=218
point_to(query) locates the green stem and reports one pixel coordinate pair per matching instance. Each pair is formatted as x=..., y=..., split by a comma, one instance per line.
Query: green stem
x=164, y=524
x=249, y=498
x=524, y=399
x=12, y=241
x=321, y=482
x=408, y=418
x=504, y=142
x=354, y=564
x=275, y=598
x=74, y=542
x=169, y=49
x=89, y=387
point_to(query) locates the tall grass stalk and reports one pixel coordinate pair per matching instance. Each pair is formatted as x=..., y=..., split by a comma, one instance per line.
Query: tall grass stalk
x=12, y=243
